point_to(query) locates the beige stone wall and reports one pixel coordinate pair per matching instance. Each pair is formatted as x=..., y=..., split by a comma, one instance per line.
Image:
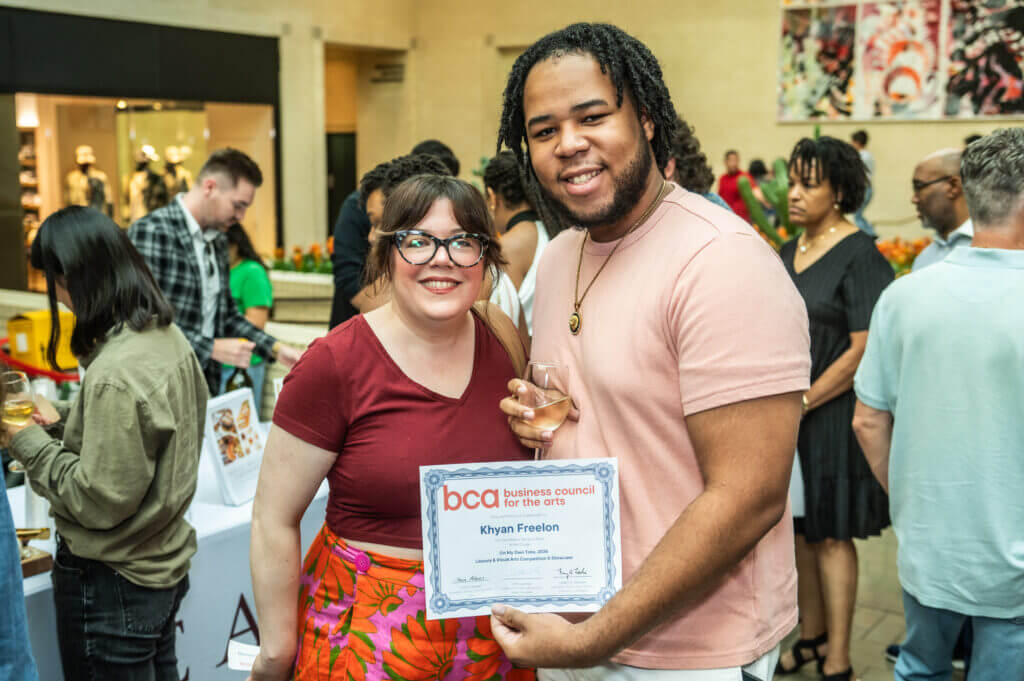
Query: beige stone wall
x=303, y=27
x=719, y=60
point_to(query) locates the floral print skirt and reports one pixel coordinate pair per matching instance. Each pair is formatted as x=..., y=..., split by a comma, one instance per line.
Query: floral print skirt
x=362, y=617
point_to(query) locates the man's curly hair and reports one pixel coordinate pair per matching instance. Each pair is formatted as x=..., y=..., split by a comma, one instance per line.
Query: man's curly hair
x=388, y=175
x=693, y=172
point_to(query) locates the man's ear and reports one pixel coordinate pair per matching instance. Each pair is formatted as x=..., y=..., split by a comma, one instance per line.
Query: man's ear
x=647, y=124
x=208, y=185
x=956, y=187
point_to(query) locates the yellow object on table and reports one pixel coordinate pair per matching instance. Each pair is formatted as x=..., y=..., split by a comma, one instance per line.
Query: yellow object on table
x=29, y=334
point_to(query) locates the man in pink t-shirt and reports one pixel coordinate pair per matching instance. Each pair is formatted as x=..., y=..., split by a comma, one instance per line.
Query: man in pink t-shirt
x=688, y=352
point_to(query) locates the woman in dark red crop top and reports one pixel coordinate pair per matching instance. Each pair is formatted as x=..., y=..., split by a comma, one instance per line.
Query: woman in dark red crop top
x=415, y=382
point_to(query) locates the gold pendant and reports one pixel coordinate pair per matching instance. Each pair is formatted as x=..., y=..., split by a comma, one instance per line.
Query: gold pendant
x=575, y=322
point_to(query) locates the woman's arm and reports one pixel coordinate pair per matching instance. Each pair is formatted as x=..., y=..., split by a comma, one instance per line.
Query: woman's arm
x=258, y=315
x=518, y=245
x=837, y=379
x=102, y=485
x=290, y=475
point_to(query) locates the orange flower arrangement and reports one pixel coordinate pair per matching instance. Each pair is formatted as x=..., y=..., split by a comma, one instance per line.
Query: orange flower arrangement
x=901, y=253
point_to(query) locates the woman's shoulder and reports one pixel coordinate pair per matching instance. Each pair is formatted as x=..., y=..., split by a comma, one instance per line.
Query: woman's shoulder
x=137, y=360
x=250, y=268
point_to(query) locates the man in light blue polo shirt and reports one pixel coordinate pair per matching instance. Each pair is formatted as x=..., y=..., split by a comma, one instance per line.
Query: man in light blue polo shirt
x=940, y=203
x=939, y=415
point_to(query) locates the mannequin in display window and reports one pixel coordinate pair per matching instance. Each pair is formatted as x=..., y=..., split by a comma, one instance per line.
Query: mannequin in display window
x=178, y=179
x=87, y=186
x=146, y=190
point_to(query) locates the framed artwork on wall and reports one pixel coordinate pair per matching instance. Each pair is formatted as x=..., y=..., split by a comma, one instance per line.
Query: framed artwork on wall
x=871, y=60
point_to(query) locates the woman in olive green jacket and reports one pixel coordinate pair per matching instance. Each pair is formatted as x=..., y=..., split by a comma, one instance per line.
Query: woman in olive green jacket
x=122, y=477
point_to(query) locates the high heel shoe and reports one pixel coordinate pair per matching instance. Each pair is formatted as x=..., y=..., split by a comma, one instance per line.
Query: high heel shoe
x=846, y=675
x=798, y=649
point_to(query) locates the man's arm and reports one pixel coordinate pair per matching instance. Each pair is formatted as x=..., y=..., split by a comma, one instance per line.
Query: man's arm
x=873, y=428
x=371, y=297
x=745, y=453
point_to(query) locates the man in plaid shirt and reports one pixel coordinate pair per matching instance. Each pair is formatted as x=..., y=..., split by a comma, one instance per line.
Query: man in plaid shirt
x=183, y=244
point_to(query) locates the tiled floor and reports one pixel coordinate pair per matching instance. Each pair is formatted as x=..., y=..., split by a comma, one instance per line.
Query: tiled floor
x=878, y=620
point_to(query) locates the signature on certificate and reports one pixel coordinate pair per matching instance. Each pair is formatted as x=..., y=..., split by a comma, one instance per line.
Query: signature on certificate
x=573, y=572
x=469, y=580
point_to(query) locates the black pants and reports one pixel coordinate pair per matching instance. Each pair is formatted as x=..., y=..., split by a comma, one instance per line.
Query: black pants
x=109, y=628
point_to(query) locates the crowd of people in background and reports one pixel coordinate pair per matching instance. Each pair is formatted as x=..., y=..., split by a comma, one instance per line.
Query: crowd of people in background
x=708, y=364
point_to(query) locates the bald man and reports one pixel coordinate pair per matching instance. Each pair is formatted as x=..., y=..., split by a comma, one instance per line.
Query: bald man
x=939, y=199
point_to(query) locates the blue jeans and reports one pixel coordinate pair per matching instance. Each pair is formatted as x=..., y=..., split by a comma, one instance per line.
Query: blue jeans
x=257, y=372
x=16, y=663
x=858, y=217
x=109, y=628
x=997, y=651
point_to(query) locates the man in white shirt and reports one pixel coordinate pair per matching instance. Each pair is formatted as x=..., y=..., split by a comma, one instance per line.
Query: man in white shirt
x=184, y=246
x=939, y=199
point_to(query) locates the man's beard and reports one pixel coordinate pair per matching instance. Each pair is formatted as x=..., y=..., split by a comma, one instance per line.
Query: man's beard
x=628, y=190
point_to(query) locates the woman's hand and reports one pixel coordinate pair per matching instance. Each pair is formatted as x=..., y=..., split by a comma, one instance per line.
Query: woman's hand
x=263, y=670
x=45, y=414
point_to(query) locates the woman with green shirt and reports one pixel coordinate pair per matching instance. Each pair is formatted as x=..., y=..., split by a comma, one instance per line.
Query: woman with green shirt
x=252, y=292
x=123, y=473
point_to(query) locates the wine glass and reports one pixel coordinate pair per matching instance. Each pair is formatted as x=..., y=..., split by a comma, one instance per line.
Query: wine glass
x=19, y=403
x=547, y=395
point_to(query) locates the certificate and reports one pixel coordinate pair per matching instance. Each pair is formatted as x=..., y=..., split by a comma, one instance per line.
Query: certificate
x=540, y=536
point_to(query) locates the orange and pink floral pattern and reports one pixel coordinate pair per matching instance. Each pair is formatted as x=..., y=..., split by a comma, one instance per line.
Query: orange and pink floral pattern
x=363, y=618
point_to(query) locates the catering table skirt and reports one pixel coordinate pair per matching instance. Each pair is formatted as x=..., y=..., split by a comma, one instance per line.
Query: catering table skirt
x=219, y=606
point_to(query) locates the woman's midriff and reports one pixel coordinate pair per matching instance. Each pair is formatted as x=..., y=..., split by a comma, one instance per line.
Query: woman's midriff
x=394, y=551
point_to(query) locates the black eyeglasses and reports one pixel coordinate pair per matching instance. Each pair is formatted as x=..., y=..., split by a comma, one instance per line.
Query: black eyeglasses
x=419, y=248
x=918, y=186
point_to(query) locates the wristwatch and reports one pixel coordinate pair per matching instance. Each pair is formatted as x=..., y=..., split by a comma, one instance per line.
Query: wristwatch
x=805, y=406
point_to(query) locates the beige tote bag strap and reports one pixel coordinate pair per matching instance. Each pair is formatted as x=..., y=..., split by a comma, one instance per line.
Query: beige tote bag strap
x=506, y=332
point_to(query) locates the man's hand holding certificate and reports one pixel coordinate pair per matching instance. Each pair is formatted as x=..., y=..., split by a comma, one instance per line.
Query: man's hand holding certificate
x=541, y=536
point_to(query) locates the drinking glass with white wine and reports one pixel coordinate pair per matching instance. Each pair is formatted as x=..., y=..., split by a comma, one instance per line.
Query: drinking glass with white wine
x=19, y=404
x=547, y=395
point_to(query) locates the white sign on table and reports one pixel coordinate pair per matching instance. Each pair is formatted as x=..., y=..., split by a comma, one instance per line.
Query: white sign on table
x=234, y=442
x=540, y=536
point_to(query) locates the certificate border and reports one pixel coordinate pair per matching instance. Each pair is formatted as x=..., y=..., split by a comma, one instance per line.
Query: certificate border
x=603, y=473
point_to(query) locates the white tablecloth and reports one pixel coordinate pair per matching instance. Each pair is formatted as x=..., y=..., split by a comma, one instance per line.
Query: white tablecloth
x=219, y=602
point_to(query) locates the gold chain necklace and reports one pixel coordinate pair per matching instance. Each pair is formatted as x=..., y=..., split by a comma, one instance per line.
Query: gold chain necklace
x=575, y=319
x=806, y=243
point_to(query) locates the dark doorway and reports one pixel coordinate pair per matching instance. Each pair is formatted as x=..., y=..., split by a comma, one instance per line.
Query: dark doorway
x=341, y=173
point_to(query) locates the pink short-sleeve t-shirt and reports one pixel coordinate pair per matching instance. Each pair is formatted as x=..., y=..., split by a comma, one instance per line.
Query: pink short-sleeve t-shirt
x=694, y=311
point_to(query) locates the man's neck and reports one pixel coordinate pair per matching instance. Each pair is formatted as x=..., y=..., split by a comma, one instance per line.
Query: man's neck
x=619, y=229
x=960, y=216
x=1008, y=235
x=191, y=202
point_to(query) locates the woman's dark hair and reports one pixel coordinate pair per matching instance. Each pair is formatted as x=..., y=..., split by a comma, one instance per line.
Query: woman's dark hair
x=411, y=201
x=238, y=238
x=505, y=178
x=633, y=71
x=441, y=152
x=757, y=169
x=693, y=172
x=836, y=161
x=388, y=175
x=106, y=278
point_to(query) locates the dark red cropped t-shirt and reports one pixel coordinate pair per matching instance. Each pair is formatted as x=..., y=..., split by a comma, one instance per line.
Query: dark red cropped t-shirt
x=347, y=395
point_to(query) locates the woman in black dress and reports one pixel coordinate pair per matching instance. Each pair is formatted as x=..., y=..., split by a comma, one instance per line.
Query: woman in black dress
x=840, y=274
